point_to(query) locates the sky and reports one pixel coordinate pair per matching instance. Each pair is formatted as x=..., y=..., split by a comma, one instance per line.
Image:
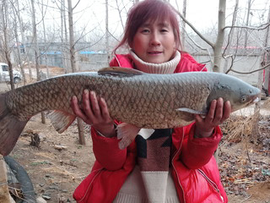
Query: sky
x=89, y=15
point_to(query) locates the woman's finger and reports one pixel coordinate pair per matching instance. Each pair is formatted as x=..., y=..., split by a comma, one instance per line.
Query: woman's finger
x=104, y=110
x=211, y=113
x=94, y=104
x=226, y=111
x=218, y=115
x=87, y=106
x=76, y=109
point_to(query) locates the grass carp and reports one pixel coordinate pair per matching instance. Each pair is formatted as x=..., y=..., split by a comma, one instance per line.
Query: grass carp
x=140, y=99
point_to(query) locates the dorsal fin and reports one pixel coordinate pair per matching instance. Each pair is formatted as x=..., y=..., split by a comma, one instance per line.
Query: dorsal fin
x=118, y=71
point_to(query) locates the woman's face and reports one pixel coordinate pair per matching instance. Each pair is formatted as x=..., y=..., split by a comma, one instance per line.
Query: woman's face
x=154, y=42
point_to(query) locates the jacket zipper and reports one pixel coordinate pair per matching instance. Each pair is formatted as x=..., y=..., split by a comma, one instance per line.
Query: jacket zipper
x=98, y=172
x=212, y=183
x=174, y=166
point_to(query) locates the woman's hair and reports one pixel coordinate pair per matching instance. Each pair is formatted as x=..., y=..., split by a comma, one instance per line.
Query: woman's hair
x=149, y=10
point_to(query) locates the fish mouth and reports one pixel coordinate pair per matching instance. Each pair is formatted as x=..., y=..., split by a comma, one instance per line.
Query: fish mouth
x=256, y=100
x=253, y=100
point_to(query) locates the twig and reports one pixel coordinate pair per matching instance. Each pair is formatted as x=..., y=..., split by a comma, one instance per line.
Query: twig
x=195, y=30
x=239, y=72
x=246, y=198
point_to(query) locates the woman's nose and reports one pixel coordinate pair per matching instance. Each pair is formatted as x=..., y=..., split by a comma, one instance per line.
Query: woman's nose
x=155, y=41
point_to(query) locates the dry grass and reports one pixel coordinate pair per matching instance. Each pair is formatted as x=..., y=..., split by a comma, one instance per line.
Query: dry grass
x=238, y=127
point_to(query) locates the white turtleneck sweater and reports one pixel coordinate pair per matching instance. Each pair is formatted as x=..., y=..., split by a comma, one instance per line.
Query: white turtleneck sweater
x=159, y=68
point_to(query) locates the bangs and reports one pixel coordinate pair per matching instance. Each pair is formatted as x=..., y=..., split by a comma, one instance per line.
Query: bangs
x=150, y=11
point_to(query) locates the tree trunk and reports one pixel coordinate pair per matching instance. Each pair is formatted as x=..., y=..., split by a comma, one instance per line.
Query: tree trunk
x=267, y=71
x=36, y=51
x=220, y=37
x=71, y=37
x=23, y=41
x=247, y=22
x=64, y=37
x=255, y=126
x=107, y=32
x=184, y=23
x=4, y=15
x=73, y=65
x=231, y=37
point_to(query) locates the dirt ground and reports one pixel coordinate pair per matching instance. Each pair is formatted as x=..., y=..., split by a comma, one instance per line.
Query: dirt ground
x=60, y=163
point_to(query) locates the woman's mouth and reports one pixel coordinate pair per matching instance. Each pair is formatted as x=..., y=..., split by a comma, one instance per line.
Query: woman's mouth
x=155, y=52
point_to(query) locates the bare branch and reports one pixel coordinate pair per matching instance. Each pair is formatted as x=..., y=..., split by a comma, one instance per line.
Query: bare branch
x=76, y=5
x=119, y=13
x=195, y=30
x=239, y=72
x=261, y=27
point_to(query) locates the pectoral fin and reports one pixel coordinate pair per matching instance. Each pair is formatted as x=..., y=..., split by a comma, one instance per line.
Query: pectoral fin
x=61, y=120
x=127, y=133
x=191, y=111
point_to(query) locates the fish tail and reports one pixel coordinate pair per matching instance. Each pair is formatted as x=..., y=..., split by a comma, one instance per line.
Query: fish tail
x=10, y=127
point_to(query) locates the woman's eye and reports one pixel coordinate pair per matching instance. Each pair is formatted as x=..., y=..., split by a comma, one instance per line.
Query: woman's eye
x=145, y=30
x=164, y=30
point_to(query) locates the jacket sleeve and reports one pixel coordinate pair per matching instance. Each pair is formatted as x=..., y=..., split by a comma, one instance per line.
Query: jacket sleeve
x=107, y=152
x=196, y=152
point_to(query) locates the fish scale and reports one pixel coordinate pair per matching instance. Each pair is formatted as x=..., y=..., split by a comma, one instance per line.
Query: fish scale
x=140, y=99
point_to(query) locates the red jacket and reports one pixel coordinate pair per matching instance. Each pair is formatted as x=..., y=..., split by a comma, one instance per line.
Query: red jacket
x=194, y=168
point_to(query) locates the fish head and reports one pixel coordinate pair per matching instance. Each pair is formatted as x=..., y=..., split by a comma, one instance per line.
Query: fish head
x=239, y=93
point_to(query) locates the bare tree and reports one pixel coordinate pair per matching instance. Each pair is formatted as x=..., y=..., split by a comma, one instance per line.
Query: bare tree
x=6, y=38
x=73, y=62
x=217, y=46
x=36, y=49
x=17, y=21
x=255, y=126
x=107, y=32
x=227, y=48
x=184, y=24
x=247, y=22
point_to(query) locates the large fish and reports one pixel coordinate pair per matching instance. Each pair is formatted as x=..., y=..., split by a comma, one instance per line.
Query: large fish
x=139, y=99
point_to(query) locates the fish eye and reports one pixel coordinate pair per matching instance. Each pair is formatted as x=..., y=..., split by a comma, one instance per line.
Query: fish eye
x=243, y=99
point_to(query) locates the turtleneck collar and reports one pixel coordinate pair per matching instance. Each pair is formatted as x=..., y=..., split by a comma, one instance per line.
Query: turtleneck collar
x=161, y=68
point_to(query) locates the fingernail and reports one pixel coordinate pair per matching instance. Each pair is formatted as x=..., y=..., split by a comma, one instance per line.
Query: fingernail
x=92, y=93
x=86, y=91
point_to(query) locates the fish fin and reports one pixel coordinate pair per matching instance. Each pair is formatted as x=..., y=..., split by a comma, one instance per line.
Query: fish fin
x=120, y=72
x=61, y=120
x=10, y=128
x=127, y=133
x=191, y=111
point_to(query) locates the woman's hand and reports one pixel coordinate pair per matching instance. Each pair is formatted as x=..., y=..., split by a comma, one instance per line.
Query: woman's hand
x=217, y=114
x=94, y=111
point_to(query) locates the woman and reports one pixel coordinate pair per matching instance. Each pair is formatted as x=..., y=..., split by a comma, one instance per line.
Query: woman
x=183, y=169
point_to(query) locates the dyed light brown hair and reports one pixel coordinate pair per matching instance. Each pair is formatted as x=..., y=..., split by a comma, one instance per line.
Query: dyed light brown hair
x=150, y=10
